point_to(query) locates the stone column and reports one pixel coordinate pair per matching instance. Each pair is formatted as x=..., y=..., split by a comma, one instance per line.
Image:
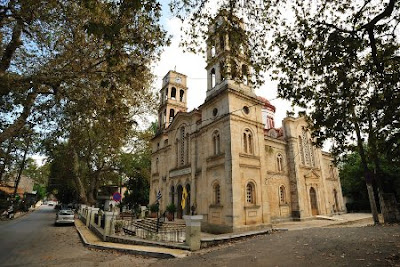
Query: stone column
x=100, y=217
x=89, y=215
x=193, y=229
x=93, y=214
x=109, y=223
x=81, y=210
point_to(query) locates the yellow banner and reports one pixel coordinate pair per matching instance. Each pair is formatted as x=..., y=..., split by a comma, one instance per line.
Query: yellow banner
x=184, y=196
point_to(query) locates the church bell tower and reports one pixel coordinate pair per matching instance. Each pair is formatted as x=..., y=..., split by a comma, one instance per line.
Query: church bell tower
x=173, y=98
x=228, y=60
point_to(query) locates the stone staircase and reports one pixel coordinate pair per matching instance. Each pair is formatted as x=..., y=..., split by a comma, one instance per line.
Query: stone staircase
x=150, y=225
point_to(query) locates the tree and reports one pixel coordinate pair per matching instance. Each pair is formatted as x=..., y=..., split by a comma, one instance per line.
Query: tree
x=136, y=166
x=340, y=59
x=351, y=176
x=53, y=53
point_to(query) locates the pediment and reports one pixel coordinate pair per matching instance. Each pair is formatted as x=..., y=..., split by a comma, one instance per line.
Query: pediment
x=183, y=117
x=312, y=175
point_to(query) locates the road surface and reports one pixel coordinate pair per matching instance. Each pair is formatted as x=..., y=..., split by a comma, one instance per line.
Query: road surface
x=33, y=240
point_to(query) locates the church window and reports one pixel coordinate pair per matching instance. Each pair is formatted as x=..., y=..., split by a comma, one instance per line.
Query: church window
x=216, y=143
x=245, y=142
x=279, y=160
x=311, y=151
x=222, y=70
x=301, y=151
x=234, y=69
x=213, y=81
x=248, y=142
x=181, y=94
x=215, y=112
x=331, y=171
x=245, y=73
x=270, y=122
x=217, y=194
x=166, y=94
x=246, y=110
x=182, y=154
x=173, y=93
x=222, y=42
x=213, y=51
x=157, y=164
x=171, y=114
x=306, y=149
x=250, y=193
x=282, y=194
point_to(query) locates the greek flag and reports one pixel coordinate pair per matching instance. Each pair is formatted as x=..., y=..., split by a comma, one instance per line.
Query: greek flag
x=159, y=195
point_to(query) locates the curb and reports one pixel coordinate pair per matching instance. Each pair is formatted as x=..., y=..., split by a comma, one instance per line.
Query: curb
x=160, y=255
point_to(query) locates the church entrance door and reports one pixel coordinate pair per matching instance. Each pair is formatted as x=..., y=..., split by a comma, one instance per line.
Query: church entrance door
x=313, y=200
x=178, y=205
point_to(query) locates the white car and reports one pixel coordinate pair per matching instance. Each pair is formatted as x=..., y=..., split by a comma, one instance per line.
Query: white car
x=65, y=217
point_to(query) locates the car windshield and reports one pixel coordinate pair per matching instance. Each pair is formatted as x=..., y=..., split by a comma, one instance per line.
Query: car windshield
x=66, y=212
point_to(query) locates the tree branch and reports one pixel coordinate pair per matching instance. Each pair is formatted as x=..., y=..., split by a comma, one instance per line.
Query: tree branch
x=12, y=46
x=20, y=121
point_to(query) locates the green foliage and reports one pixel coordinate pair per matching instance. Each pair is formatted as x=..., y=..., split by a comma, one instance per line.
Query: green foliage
x=41, y=191
x=136, y=166
x=352, y=178
x=154, y=207
x=62, y=62
x=171, y=208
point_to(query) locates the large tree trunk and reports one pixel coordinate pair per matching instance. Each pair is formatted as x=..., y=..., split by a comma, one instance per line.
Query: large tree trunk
x=367, y=173
x=6, y=158
x=21, y=168
x=78, y=182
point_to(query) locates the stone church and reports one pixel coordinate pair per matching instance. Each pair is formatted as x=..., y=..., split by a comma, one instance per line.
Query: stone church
x=240, y=171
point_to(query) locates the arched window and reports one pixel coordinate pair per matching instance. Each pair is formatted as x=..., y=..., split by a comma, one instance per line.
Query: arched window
x=213, y=78
x=306, y=149
x=166, y=93
x=270, y=122
x=331, y=171
x=182, y=147
x=301, y=150
x=216, y=143
x=222, y=42
x=222, y=70
x=217, y=194
x=157, y=164
x=165, y=142
x=234, y=69
x=171, y=114
x=311, y=151
x=279, y=161
x=245, y=74
x=282, y=194
x=181, y=93
x=173, y=93
x=213, y=51
x=250, y=193
x=248, y=142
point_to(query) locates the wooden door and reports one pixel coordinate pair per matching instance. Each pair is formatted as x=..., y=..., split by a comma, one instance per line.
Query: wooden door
x=314, y=202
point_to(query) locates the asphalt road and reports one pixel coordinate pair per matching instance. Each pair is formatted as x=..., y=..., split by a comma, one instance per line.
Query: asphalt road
x=33, y=240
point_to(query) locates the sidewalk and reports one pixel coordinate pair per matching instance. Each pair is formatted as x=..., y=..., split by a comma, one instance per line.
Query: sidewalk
x=348, y=219
x=91, y=240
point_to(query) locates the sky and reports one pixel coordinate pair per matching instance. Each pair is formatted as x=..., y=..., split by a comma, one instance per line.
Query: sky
x=193, y=65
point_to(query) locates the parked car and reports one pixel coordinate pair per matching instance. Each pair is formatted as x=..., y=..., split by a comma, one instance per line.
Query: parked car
x=65, y=217
x=51, y=203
